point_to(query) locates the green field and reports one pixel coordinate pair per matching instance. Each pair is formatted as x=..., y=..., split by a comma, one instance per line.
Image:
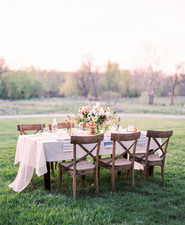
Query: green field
x=71, y=105
x=153, y=203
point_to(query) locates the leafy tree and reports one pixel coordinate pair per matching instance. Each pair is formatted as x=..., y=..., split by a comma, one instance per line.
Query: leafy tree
x=110, y=76
x=181, y=88
x=54, y=80
x=117, y=80
x=3, y=66
x=153, y=62
x=20, y=85
x=87, y=67
x=176, y=79
x=69, y=87
x=83, y=83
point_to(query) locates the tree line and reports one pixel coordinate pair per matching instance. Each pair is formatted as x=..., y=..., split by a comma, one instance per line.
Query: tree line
x=88, y=82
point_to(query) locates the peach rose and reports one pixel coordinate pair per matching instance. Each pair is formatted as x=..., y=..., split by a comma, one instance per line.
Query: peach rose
x=90, y=124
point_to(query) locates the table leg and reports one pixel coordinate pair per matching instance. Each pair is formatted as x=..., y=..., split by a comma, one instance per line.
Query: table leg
x=47, y=177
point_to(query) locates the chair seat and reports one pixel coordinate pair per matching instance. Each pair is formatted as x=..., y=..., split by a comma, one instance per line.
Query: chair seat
x=82, y=165
x=118, y=162
x=139, y=155
x=151, y=158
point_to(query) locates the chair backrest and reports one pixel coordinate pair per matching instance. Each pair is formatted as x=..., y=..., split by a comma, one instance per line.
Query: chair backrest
x=30, y=127
x=117, y=137
x=164, y=135
x=64, y=125
x=81, y=140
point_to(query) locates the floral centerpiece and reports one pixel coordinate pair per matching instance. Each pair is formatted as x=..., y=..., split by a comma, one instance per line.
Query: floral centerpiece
x=96, y=118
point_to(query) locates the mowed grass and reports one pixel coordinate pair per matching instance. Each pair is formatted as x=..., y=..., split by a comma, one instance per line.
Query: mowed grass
x=72, y=104
x=153, y=203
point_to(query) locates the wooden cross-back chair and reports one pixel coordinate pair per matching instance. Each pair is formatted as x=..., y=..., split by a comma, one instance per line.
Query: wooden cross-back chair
x=82, y=166
x=64, y=125
x=150, y=159
x=118, y=163
x=30, y=127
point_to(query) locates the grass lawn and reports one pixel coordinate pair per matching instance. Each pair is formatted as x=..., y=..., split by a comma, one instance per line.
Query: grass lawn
x=66, y=105
x=152, y=203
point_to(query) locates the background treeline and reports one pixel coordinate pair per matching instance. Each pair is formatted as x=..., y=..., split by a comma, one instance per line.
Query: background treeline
x=112, y=83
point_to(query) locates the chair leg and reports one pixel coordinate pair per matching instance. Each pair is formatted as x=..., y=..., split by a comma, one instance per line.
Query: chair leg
x=132, y=174
x=98, y=171
x=151, y=170
x=162, y=173
x=55, y=165
x=83, y=180
x=74, y=186
x=113, y=181
x=119, y=174
x=128, y=171
x=145, y=174
x=99, y=168
x=60, y=177
x=96, y=180
x=52, y=168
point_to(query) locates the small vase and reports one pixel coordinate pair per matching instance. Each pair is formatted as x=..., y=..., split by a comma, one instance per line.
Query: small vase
x=92, y=132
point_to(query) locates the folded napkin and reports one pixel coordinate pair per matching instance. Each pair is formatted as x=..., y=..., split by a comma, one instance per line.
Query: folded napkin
x=142, y=140
x=107, y=142
x=66, y=145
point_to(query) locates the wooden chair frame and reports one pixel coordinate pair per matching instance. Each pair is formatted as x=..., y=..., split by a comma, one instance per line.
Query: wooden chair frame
x=110, y=163
x=71, y=167
x=144, y=159
x=30, y=127
x=64, y=125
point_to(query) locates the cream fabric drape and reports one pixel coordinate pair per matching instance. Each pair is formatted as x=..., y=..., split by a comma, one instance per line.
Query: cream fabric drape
x=33, y=151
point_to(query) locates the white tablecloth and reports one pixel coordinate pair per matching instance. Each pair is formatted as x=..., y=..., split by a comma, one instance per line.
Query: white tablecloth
x=33, y=151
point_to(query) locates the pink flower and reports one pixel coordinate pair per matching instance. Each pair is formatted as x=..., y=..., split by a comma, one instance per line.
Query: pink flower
x=90, y=124
x=84, y=109
x=87, y=108
x=81, y=110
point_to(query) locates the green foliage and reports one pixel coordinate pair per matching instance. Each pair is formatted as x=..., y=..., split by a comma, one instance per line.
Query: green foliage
x=109, y=81
x=3, y=66
x=20, y=85
x=30, y=84
x=53, y=81
x=85, y=82
x=118, y=81
x=162, y=86
x=69, y=87
x=153, y=203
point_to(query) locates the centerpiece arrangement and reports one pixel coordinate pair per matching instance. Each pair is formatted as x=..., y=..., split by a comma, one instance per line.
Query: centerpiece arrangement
x=95, y=117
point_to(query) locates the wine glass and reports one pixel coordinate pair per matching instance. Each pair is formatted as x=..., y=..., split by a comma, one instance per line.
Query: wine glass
x=46, y=130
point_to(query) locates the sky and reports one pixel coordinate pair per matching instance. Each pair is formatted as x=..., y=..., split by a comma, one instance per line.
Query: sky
x=59, y=34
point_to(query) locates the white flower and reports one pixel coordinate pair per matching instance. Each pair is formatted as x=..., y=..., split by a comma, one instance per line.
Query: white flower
x=101, y=113
x=92, y=111
x=107, y=114
x=94, y=119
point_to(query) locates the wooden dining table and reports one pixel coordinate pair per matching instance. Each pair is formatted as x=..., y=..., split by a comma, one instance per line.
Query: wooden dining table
x=37, y=151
